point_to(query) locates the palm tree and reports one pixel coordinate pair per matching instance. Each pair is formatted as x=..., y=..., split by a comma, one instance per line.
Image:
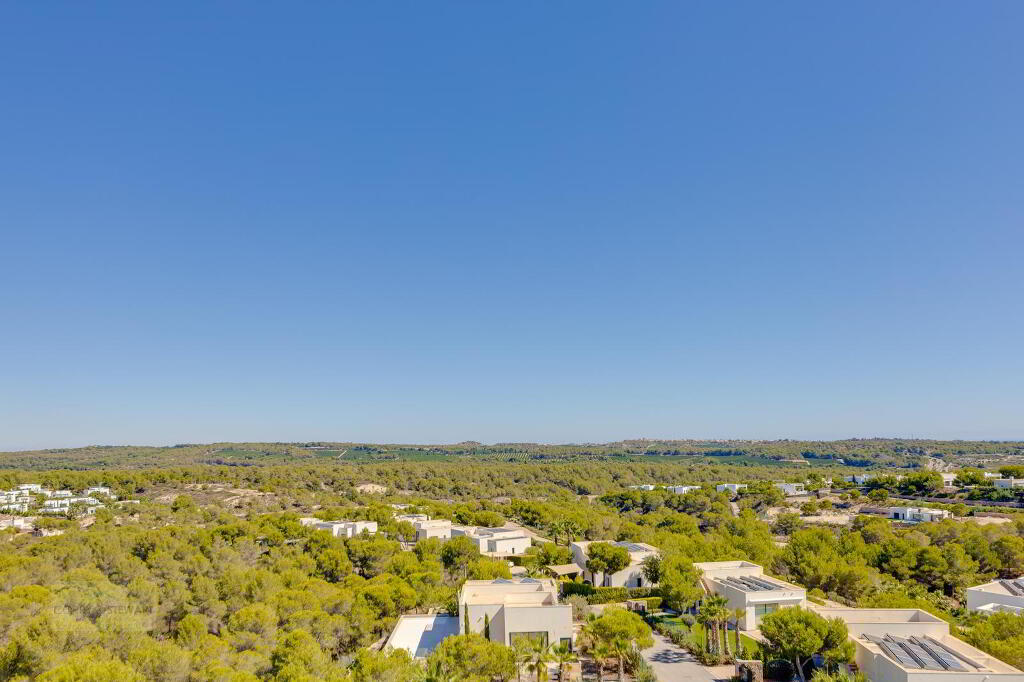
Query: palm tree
x=539, y=657
x=738, y=615
x=621, y=649
x=563, y=656
x=521, y=654
x=556, y=528
x=713, y=612
x=601, y=653
x=572, y=529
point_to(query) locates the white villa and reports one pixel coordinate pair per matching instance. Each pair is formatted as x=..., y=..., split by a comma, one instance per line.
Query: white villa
x=682, y=489
x=62, y=505
x=631, y=576
x=732, y=488
x=507, y=610
x=791, y=489
x=917, y=514
x=746, y=587
x=998, y=595
x=341, y=529
x=1008, y=483
x=911, y=645
x=645, y=486
x=494, y=541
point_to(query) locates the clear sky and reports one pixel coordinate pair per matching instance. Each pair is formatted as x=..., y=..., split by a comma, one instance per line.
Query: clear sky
x=570, y=221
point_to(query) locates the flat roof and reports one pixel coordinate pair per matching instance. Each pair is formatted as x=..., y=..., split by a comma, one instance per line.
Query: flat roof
x=420, y=635
x=1013, y=587
x=510, y=591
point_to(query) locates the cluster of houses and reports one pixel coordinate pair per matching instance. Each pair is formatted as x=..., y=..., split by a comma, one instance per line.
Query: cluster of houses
x=494, y=542
x=25, y=498
x=732, y=489
x=891, y=645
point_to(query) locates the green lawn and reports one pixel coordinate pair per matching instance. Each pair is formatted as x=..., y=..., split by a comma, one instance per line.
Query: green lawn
x=750, y=645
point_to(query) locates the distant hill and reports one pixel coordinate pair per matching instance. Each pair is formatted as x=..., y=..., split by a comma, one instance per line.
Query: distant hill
x=852, y=452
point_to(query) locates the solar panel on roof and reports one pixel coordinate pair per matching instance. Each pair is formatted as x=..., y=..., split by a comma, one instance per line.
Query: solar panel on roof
x=1012, y=587
x=898, y=655
x=939, y=645
x=946, y=659
x=531, y=581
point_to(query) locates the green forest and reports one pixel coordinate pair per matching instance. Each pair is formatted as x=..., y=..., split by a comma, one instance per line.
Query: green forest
x=852, y=452
x=212, y=577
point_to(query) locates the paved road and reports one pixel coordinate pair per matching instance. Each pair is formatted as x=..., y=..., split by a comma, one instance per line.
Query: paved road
x=672, y=664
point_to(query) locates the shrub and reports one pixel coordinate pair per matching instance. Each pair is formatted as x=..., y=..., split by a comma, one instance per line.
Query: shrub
x=605, y=595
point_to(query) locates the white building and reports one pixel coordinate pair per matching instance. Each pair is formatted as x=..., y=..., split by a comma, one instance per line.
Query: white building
x=791, y=489
x=494, y=541
x=63, y=505
x=346, y=529
x=1008, y=483
x=998, y=595
x=411, y=518
x=910, y=645
x=732, y=488
x=631, y=576
x=917, y=514
x=58, y=494
x=18, y=523
x=14, y=507
x=948, y=478
x=746, y=587
x=433, y=528
x=645, y=486
x=100, y=490
x=31, y=487
x=858, y=479
x=682, y=489
x=512, y=609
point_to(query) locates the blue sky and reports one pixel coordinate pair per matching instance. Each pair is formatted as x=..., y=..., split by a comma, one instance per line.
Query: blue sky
x=428, y=222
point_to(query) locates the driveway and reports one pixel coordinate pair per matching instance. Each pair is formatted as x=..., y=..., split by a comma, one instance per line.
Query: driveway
x=672, y=664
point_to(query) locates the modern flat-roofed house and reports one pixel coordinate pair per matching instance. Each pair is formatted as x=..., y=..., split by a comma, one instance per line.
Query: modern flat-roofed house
x=732, y=488
x=433, y=528
x=58, y=494
x=791, y=489
x=494, y=541
x=858, y=479
x=31, y=487
x=513, y=609
x=411, y=518
x=100, y=490
x=346, y=529
x=682, y=489
x=14, y=507
x=917, y=514
x=911, y=645
x=1008, y=483
x=64, y=504
x=645, y=486
x=746, y=587
x=631, y=576
x=998, y=595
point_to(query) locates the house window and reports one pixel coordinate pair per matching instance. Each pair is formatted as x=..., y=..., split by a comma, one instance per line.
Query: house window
x=566, y=642
x=764, y=609
x=527, y=637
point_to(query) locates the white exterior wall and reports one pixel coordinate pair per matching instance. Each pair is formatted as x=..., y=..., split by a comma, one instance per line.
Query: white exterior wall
x=517, y=545
x=978, y=597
